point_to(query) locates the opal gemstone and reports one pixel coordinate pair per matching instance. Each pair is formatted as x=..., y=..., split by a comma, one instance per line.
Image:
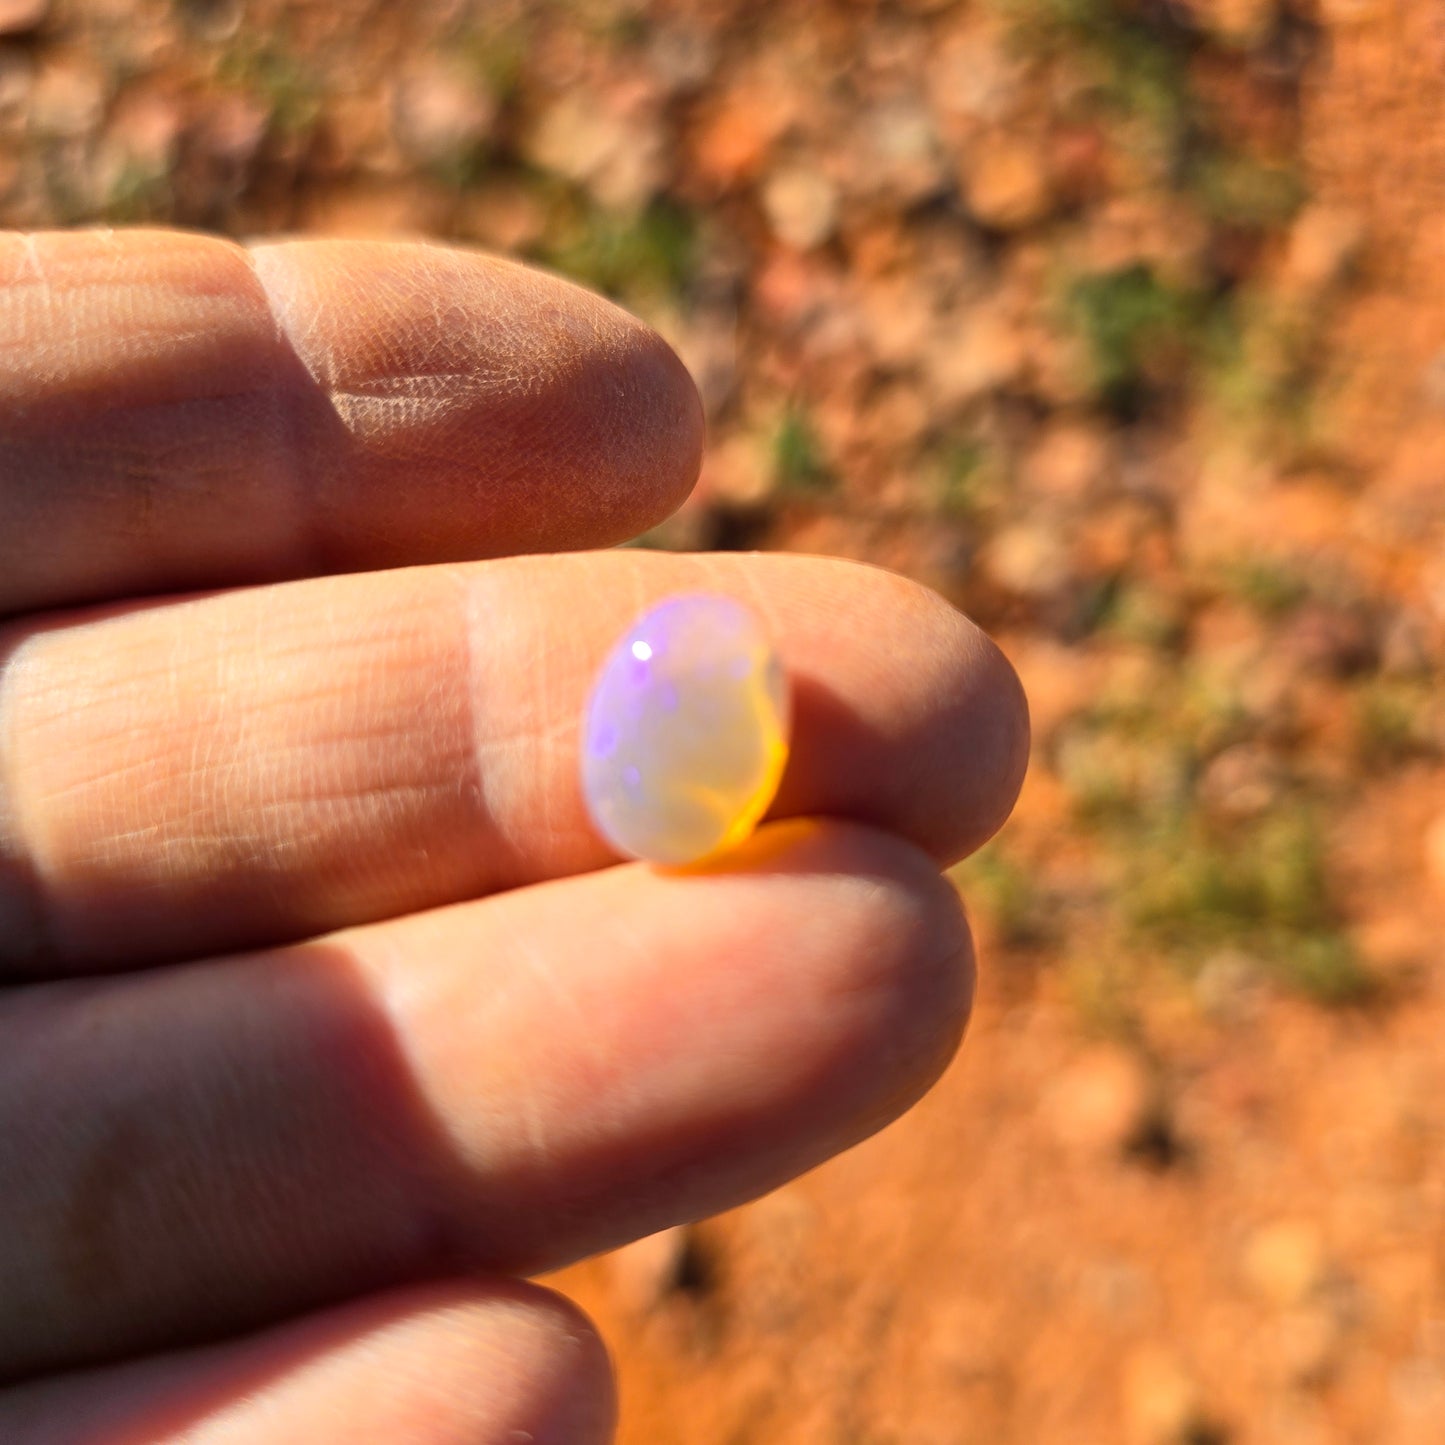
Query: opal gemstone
x=686, y=731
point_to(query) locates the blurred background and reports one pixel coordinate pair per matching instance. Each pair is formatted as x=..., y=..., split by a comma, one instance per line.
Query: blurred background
x=1121, y=323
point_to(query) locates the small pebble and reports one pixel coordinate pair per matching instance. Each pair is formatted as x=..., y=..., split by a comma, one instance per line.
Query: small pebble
x=686, y=732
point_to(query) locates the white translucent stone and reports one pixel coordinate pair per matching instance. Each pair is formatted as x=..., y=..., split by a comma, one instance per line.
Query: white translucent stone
x=686, y=732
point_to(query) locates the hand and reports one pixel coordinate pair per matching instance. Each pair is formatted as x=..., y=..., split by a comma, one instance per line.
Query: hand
x=325, y=1013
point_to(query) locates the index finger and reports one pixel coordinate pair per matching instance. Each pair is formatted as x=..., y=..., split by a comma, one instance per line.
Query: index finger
x=180, y=412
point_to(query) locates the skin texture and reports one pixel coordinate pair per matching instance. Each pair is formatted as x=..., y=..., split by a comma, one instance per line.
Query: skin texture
x=180, y=412
x=323, y=1011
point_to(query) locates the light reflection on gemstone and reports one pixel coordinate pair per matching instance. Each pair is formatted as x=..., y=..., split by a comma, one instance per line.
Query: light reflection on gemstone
x=685, y=735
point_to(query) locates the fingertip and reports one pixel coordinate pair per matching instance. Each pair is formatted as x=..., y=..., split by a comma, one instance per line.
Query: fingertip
x=918, y=725
x=576, y=1395
x=515, y=410
x=829, y=980
x=667, y=408
x=974, y=738
x=897, y=949
x=996, y=716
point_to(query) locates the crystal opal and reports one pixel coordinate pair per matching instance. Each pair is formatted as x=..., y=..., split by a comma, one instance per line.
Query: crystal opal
x=686, y=731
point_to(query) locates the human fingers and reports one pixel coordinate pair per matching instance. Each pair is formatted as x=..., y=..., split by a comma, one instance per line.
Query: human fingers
x=466, y=1363
x=179, y=412
x=268, y=764
x=504, y=1085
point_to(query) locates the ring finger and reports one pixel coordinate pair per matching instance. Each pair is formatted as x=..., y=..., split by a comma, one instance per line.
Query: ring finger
x=506, y=1084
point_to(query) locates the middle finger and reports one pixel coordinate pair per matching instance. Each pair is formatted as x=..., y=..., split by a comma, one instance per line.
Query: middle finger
x=263, y=765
